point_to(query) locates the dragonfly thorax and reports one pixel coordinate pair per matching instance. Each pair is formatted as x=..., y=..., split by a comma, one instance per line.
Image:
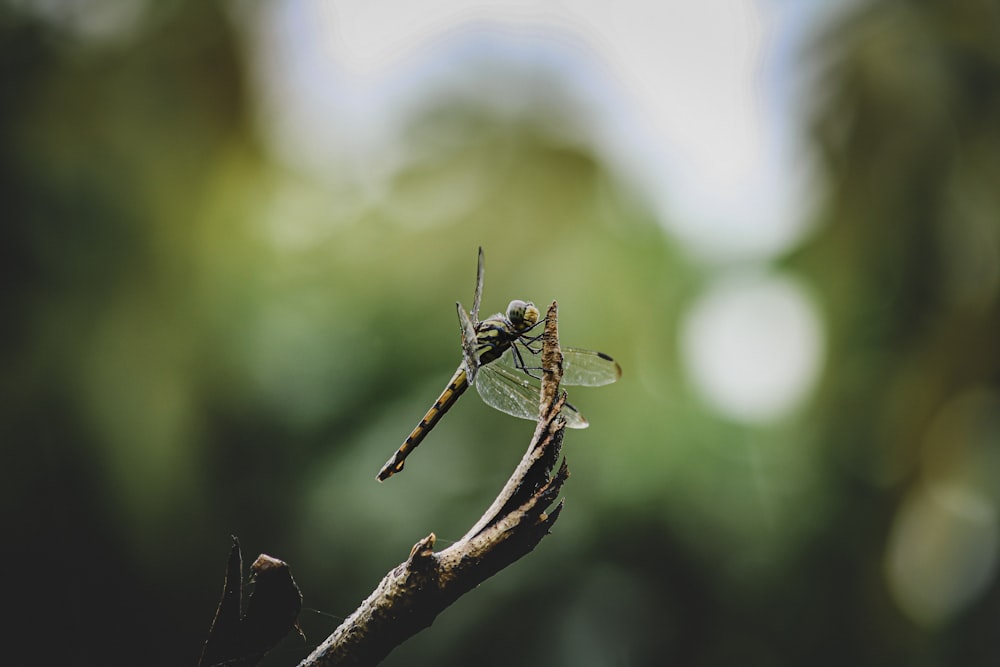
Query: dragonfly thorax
x=522, y=314
x=496, y=334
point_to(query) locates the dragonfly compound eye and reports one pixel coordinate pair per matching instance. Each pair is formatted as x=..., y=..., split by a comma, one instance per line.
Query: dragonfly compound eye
x=522, y=314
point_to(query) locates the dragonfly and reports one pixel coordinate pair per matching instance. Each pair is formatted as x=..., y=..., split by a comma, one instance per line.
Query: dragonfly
x=495, y=359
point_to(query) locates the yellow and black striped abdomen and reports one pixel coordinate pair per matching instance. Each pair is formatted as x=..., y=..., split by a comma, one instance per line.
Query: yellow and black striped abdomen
x=456, y=387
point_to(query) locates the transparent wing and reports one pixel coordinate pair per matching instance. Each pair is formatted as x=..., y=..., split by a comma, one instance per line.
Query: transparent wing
x=479, y=287
x=587, y=368
x=581, y=368
x=468, y=343
x=514, y=395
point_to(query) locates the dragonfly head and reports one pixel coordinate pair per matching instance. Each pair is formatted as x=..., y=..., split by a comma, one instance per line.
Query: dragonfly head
x=522, y=314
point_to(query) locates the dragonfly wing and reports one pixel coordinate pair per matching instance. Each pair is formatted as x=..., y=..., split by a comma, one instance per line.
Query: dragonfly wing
x=581, y=368
x=514, y=395
x=468, y=343
x=507, y=392
x=587, y=368
x=479, y=287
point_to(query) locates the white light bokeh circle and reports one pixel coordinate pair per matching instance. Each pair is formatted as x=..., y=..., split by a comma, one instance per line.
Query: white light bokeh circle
x=753, y=346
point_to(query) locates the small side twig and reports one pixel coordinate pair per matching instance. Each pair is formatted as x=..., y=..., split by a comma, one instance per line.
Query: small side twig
x=411, y=596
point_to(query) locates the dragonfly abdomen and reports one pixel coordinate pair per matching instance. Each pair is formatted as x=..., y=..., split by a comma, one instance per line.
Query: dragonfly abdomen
x=456, y=387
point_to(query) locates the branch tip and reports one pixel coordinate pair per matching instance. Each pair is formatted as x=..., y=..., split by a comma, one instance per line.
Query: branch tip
x=423, y=548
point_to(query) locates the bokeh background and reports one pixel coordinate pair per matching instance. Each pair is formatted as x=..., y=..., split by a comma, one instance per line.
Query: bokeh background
x=233, y=234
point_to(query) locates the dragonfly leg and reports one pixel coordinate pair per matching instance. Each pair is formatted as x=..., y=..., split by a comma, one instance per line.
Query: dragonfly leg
x=532, y=371
x=531, y=344
x=529, y=341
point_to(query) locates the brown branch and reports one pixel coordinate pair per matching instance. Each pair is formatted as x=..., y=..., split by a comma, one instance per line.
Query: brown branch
x=411, y=596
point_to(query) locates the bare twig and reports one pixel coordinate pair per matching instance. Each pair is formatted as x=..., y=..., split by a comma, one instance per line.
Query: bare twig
x=411, y=596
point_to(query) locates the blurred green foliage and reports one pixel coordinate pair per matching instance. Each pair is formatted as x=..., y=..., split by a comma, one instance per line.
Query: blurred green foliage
x=200, y=341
